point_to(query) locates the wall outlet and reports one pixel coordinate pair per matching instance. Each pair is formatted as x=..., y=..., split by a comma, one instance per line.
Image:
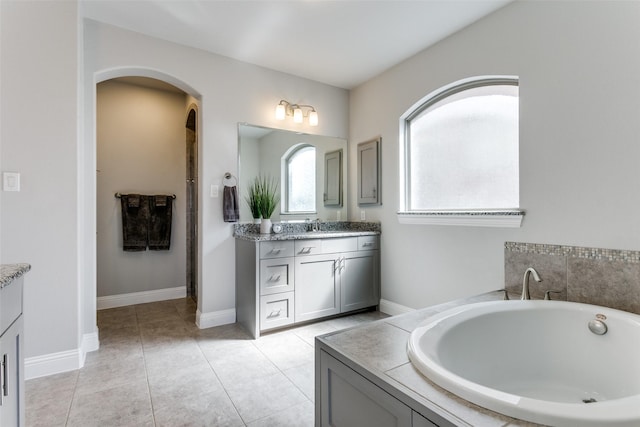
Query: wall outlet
x=363, y=216
x=214, y=191
x=338, y=215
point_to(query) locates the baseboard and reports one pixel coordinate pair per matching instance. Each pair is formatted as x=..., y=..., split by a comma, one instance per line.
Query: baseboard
x=392, y=308
x=90, y=342
x=215, y=318
x=54, y=363
x=122, y=300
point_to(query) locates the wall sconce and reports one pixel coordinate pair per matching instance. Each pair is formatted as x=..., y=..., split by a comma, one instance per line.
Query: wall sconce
x=285, y=108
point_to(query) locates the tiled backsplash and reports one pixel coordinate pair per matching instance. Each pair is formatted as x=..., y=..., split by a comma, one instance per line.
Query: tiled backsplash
x=606, y=277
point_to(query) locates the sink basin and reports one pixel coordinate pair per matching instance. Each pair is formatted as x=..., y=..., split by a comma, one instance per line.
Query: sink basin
x=536, y=360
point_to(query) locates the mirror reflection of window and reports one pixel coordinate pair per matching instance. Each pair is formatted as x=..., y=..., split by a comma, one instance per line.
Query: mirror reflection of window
x=301, y=179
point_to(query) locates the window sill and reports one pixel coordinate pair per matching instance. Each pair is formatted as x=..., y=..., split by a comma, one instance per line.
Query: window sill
x=504, y=219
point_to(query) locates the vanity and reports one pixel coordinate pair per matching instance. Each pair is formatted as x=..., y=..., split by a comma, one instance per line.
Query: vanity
x=299, y=276
x=11, y=345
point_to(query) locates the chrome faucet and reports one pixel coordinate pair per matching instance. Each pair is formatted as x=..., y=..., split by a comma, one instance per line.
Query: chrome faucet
x=525, y=282
x=315, y=225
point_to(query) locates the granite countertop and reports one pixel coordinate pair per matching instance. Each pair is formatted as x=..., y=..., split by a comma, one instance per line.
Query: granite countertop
x=298, y=231
x=10, y=272
x=378, y=351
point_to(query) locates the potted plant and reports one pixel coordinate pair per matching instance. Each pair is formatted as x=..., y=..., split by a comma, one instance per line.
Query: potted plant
x=253, y=200
x=263, y=199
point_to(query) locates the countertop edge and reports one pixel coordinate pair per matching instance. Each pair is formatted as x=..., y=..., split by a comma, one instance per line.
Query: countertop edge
x=256, y=237
x=11, y=272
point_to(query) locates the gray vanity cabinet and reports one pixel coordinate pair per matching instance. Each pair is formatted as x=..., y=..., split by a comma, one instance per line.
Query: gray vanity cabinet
x=279, y=283
x=11, y=360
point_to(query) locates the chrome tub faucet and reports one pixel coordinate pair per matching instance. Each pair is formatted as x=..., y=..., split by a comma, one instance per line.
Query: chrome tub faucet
x=525, y=282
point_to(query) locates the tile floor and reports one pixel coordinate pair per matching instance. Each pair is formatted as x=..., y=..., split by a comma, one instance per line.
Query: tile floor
x=156, y=368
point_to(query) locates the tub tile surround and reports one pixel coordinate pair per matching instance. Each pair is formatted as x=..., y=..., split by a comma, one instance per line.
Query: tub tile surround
x=300, y=230
x=606, y=277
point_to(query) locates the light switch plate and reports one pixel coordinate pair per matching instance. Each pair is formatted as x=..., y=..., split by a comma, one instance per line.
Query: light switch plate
x=11, y=181
x=215, y=189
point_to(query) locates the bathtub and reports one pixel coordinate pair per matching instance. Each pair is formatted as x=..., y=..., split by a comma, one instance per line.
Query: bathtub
x=536, y=360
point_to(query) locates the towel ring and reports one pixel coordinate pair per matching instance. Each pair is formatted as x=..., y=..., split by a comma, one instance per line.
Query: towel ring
x=229, y=177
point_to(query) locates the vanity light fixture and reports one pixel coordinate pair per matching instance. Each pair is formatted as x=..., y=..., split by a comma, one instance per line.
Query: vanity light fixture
x=285, y=108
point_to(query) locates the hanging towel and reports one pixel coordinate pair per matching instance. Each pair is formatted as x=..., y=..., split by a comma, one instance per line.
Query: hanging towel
x=135, y=220
x=230, y=207
x=160, y=222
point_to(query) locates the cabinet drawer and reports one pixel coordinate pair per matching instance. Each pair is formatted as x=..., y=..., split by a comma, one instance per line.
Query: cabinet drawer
x=276, y=310
x=308, y=247
x=276, y=249
x=326, y=246
x=276, y=275
x=368, y=243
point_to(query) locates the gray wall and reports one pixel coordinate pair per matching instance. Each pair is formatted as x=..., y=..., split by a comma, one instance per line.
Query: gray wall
x=39, y=132
x=140, y=149
x=50, y=62
x=579, y=68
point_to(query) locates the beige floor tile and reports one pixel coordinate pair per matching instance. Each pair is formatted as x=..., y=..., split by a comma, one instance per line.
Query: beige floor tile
x=125, y=405
x=261, y=397
x=286, y=350
x=155, y=367
x=301, y=415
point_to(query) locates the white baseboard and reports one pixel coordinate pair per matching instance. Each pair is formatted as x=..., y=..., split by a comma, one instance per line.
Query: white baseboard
x=90, y=342
x=392, y=309
x=215, y=318
x=133, y=298
x=54, y=363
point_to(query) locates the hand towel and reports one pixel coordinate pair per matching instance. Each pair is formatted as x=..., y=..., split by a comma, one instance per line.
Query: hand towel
x=230, y=207
x=160, y=222
x=135, y=220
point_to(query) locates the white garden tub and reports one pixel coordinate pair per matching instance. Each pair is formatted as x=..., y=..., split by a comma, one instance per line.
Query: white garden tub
x=536, y=360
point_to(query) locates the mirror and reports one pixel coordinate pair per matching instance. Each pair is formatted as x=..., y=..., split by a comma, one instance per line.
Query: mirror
x=311, y=171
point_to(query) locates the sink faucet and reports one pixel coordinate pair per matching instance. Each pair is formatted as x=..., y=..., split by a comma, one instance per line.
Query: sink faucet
x=525, y=282
x=315, y=225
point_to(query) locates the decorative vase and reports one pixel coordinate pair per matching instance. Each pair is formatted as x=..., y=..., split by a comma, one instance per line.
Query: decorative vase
x=265, y=226
x=257, y=220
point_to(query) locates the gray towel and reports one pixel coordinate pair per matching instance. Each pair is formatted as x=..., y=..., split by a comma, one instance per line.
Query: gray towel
x=135, y=220
x=230, y=208
x=160, y=222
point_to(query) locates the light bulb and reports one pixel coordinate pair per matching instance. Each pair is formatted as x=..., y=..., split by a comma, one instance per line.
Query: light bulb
x=313, y=118
x=297, y=115
x=280, y=112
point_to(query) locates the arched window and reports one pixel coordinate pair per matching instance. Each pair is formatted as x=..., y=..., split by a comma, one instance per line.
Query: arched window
x=460, y=152
x=300, y=179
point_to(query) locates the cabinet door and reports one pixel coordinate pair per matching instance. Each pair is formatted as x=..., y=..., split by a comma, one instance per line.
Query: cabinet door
x=348, y=399
x=369, y=173
x=12, y=376
x=333, y=178
x=359, y=280
x=317, y=291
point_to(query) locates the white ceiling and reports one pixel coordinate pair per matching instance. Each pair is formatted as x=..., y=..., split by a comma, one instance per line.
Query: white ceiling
x=341, y=43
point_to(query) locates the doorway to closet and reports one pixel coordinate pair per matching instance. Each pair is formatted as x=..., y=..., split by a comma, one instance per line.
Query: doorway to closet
x=147, y=144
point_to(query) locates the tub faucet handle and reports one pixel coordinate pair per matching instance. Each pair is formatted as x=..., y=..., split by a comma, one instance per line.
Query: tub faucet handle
x=547, y=295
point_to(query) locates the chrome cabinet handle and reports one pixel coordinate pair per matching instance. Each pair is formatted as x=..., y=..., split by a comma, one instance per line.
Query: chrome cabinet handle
x=367, y=244
x=274, y=278
x=306, y=250
x=276, y=250
x=274, y=314
x=5, y=377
